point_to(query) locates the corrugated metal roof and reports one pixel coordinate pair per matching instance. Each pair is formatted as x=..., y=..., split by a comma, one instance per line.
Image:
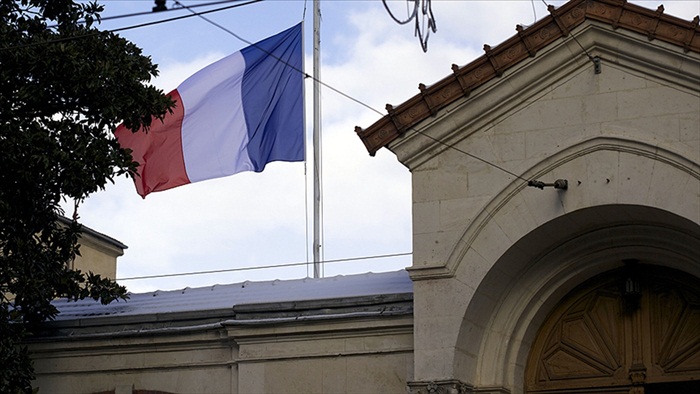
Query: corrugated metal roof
x=220, y=297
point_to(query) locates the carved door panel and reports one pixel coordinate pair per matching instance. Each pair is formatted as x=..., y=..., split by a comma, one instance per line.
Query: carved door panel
x=620, y=333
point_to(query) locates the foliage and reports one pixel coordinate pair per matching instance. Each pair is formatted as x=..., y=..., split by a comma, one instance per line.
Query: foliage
x=64, y=85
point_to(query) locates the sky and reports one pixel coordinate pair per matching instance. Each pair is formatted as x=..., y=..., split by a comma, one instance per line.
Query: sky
x=242, y=225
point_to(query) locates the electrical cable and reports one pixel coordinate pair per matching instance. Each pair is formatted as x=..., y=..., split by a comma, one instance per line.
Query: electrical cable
x=575, y=39
x=344, y=260
x=451, y=146
x=146, y=24
x=427, y=12
x=201, y=15
x=144, y=13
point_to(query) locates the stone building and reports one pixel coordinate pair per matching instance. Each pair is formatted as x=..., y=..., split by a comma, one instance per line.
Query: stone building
x=556, y=236
x=594, y=286
x=294, y=336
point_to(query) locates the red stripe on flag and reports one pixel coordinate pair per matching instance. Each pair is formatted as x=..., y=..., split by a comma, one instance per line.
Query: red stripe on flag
x=158, y=151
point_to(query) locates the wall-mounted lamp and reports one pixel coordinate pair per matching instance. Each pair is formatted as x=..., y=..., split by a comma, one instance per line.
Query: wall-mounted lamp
x=561, y=184
x=632, y=288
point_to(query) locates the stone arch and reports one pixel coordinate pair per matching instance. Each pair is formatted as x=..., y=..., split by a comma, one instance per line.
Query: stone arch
x=528, y=247
x=616, y=162
x=504, y=315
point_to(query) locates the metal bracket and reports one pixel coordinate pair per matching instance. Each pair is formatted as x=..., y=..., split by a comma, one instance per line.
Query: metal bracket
x=561, y=184
x=596, y=64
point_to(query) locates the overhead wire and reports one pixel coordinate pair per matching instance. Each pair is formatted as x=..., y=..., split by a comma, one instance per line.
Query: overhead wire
x=201, y=16
x=306, y=75
x=473, y=156
x=574, y=38
x=144, y=13
x=137, y=26
x=427, y=18
x=259, y=267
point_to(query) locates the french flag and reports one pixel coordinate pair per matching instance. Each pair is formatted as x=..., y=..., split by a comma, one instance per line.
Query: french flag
x=235, y=115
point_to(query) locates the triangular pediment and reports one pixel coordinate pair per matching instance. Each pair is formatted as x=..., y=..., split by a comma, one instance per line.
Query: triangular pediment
x=564, y=30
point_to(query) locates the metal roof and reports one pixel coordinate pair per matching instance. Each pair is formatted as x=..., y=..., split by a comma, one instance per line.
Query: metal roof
x=226, y=297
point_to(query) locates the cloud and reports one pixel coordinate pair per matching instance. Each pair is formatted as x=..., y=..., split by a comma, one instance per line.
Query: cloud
x=174, y=73
x=255, y=219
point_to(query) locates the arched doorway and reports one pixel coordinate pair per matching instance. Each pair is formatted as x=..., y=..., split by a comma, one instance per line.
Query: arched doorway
x=633, y=330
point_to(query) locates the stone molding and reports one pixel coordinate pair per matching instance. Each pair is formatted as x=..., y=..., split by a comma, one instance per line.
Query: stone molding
x=448, y=267
x=451, y=386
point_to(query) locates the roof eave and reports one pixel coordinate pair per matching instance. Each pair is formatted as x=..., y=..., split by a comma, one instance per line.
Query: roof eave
x=526, y=43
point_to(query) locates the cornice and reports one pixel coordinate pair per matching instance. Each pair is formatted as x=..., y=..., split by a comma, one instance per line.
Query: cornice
x=96, y=238
x=525, y=44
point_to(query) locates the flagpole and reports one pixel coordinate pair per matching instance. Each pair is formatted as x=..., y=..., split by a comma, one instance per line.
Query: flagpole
x=318, y=211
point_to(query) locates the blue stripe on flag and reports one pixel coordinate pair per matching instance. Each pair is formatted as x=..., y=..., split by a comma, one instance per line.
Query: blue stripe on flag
x=272, y=95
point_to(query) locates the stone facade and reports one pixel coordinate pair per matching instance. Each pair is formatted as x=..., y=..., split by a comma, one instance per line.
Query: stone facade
x=368, y=355
x=350, y=334
x=493, y=256
x=98, y=253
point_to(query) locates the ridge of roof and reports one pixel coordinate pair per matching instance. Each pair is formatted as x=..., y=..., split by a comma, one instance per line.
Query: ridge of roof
x=85, y=230
x=526, y=43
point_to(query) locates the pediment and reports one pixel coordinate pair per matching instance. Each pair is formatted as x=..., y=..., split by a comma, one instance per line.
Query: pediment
x=570, y=38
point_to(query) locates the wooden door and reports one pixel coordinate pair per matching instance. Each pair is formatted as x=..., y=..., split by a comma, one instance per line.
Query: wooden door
x=628, y=331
